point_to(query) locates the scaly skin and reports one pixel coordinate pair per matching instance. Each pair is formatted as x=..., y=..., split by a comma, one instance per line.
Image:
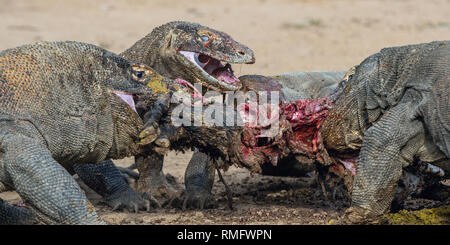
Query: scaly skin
x=64, y=103
x=332, y=173
x=393, y=111
x=163, y=49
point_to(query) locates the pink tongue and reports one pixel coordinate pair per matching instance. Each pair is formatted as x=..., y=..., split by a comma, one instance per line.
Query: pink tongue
x=127, y=98
x=228, y=77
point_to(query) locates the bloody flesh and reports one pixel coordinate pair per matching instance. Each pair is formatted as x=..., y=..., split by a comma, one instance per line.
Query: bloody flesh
x=299, y=123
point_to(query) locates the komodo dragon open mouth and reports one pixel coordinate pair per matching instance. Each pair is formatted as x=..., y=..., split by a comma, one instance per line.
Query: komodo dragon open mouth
x=213, y=69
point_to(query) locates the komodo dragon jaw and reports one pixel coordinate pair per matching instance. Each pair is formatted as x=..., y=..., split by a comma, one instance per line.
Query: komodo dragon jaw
x=194, y=53
x=208, y=54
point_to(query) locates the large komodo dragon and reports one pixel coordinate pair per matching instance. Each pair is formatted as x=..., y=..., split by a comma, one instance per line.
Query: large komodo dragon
x=403, y=87
x=393, y=112
x=199, y=172
x=64, y=103
x=177, y=50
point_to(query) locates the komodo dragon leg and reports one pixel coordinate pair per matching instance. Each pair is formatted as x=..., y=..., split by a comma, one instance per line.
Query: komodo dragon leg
x=199, y=180
x=155, y=182
x=373, y=189
x=49, y=191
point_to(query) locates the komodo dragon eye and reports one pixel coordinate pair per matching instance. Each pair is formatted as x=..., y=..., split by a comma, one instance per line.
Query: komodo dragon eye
x=140, y=72
x=205, y=36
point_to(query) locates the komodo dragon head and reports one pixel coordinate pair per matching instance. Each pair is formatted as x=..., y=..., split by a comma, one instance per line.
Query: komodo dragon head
x=192, y=52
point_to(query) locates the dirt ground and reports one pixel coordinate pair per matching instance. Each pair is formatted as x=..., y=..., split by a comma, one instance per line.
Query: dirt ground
x=286, y=35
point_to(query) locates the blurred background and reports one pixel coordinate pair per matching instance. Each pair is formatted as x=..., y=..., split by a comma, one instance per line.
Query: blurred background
x=286, y=35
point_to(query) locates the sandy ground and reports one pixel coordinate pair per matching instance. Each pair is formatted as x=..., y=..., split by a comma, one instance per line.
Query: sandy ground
x=286, y=35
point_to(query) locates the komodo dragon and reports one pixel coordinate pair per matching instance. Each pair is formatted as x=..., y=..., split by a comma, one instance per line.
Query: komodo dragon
x=414, y=78
x=65, y=103
x=393, y=112
x=177, y=50
x=203, y=157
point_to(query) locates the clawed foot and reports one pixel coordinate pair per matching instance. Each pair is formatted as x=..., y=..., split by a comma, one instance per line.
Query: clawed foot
x=131, y=200
x=193, y=198
x=158, y=187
